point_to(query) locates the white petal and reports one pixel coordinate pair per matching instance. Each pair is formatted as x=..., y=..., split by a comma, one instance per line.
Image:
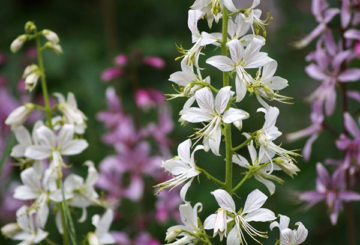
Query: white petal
x=236, y=50
x=66, y=134
x=214, y=139
x=205, y=99
x=25, y=193
x=223, y=63
x=184, y=190
x=46, y=136
x=269, y=184
x=209, y=222
x=254, y=201
x=233, y=115
x=301, y=233
x=74, y=147
x=38, y=152
x=233, y=238
x=230, y=5
x=241, y=88
x=222, y=99
x=195, y=115
x=260, y=215
x=184, y=151
x=224, y=200
x=240, y=160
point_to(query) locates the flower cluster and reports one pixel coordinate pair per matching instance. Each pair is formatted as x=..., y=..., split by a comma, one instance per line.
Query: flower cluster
x=139, y=146
x=248, y=71
x=332, y=64
x=42, y=155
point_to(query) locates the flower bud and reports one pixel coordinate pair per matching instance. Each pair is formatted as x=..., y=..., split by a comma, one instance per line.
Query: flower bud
x=155, y=62
x=220, y=223
x=31, y=81
x=121, y=60
x=171, y=234
x=10, y=229
x=18, y=116
x=56, y=48
x=51, y=36
x=93, y=240
x=17, y=44
x=287, y=166
x=30, y=69
x=30, y=27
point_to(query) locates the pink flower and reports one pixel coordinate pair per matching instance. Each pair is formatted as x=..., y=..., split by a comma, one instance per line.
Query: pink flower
x=332, y=190
x=111, y=73
x=154, y=61
x=357, y=49
x=148, y=98
x=121, y=60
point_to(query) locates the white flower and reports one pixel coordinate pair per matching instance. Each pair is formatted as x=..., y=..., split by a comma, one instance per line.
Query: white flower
x=212, y=111
x=50, y=144
x=217, y=222
x=18, y=116
x=252, y=17
x=266, y=84
x=82, y=193
x=185, y=78
x=260, y=172
x=37, y=188
x=252, y=211
x=189, y=218
x=245, y=54
x=182, y=167
x=288, y=236
x=51, y=36
x=213, y=8
x=29, y=229
x=24, y=140
x=200, y=40
x=71, y=112
x=268, y=134
x=102, y=224
x=17, y=44
x=237, y=27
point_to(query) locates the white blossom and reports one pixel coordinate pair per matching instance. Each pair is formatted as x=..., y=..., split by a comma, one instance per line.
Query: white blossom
x=55, y=145
x=71, y=112
x=189, y=218
x=288, y=236
x=267, y=134
x=213, y=111
x=182, y=167
x=29, y=231
x=101, y=235
x=260, y=171
x=82, y=193
x=245, y=54
x=252, y=211
x=266, y=85
x=18, y=116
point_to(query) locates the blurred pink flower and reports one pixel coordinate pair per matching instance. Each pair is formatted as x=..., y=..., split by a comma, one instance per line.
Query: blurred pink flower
x=149, y=98
x=154, y=61
x=121, y=60
x=111, y=73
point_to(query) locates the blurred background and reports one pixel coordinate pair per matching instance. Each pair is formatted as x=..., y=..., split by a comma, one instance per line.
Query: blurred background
x=93, y=32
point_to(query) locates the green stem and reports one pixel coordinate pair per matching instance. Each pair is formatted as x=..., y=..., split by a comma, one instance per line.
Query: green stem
x=245, y=143
x=210, y=176
x=63, y=221
x=43, y=81
x=48, y=241
x=246, y=177
x=227, y=127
